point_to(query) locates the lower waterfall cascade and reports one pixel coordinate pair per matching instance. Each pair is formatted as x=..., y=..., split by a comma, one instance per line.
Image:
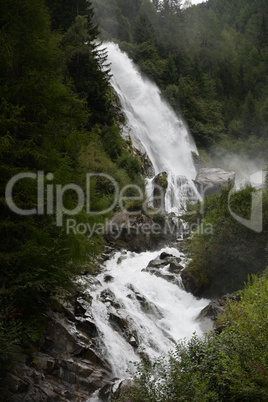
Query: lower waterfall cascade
x=140, y=314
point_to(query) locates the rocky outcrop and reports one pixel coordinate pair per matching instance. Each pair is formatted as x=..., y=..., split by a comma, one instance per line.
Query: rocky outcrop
x=67, y=365
x=160, y=183
x=136, y=148
x=129, y=232
x=212, y=180
x=166, y=266
x=116, y=389
x=139, y=232
x=192, y=283
x=210, y=314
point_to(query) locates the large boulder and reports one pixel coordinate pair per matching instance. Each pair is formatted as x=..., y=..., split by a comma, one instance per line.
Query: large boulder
x=212, y=180
x=192, y=283
x=138, y=232
x=210, y=314
x=167, y=267
x=131, y=232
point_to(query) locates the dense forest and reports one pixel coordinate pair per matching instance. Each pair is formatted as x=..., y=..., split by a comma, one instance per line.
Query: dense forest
x=59, y=120
x=209, y=60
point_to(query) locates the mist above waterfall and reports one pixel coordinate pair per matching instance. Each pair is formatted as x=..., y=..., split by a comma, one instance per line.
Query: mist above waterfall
x=243, y=165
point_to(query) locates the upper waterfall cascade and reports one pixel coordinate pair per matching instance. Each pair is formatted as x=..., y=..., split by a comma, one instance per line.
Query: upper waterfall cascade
x=154, y=125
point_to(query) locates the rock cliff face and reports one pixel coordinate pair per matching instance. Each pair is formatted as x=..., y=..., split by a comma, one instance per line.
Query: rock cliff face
x=67, y=366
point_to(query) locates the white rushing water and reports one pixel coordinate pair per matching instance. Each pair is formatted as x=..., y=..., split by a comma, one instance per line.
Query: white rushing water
x=153, y=310
x=139, y=314
x=154, y=125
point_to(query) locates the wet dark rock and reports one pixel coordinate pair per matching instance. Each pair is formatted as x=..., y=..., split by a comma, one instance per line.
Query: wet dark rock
x=212, y=311
x=124, y=386
x=121, y=258
x=81, y=306
x=86, y=325
x=147, y=306
x=108, y=278
x=121, y=322
x=165, y=266
x=67, y=366
x=162, y=274
x=210, y=314
x=118, y=320
x=133, y=341
x=107, y=296
x=130, y=232
x=156, y=263
x=105, y=392
x=164, y=255
x=191, y=283
x=174, y=266
x=160, y=184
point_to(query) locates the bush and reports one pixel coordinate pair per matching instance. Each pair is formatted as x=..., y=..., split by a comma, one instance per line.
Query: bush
x=223, y=258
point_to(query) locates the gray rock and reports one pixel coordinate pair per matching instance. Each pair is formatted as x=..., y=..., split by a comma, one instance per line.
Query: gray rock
x=160, y=184
x=212, y=180
x=107, y=296
x=175, y=267
x=212, y=311
x=67, y=366
x=131, y=232
x=124, y=386
x=210, y=314
x=156, y=263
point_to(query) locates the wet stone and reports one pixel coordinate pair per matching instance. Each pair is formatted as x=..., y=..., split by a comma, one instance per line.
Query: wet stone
x=108, y=278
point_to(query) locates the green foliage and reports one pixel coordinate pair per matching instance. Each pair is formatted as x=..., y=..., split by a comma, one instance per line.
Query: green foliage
x=63, y=12
x=222, y=259
x=9, y=334
x=55, y=117
x=232, y=365
x=87, y=68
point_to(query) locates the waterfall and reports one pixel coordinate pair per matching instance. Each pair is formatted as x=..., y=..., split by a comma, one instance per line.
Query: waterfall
x=154, y=127
x=139, y=314
x=140, y=311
